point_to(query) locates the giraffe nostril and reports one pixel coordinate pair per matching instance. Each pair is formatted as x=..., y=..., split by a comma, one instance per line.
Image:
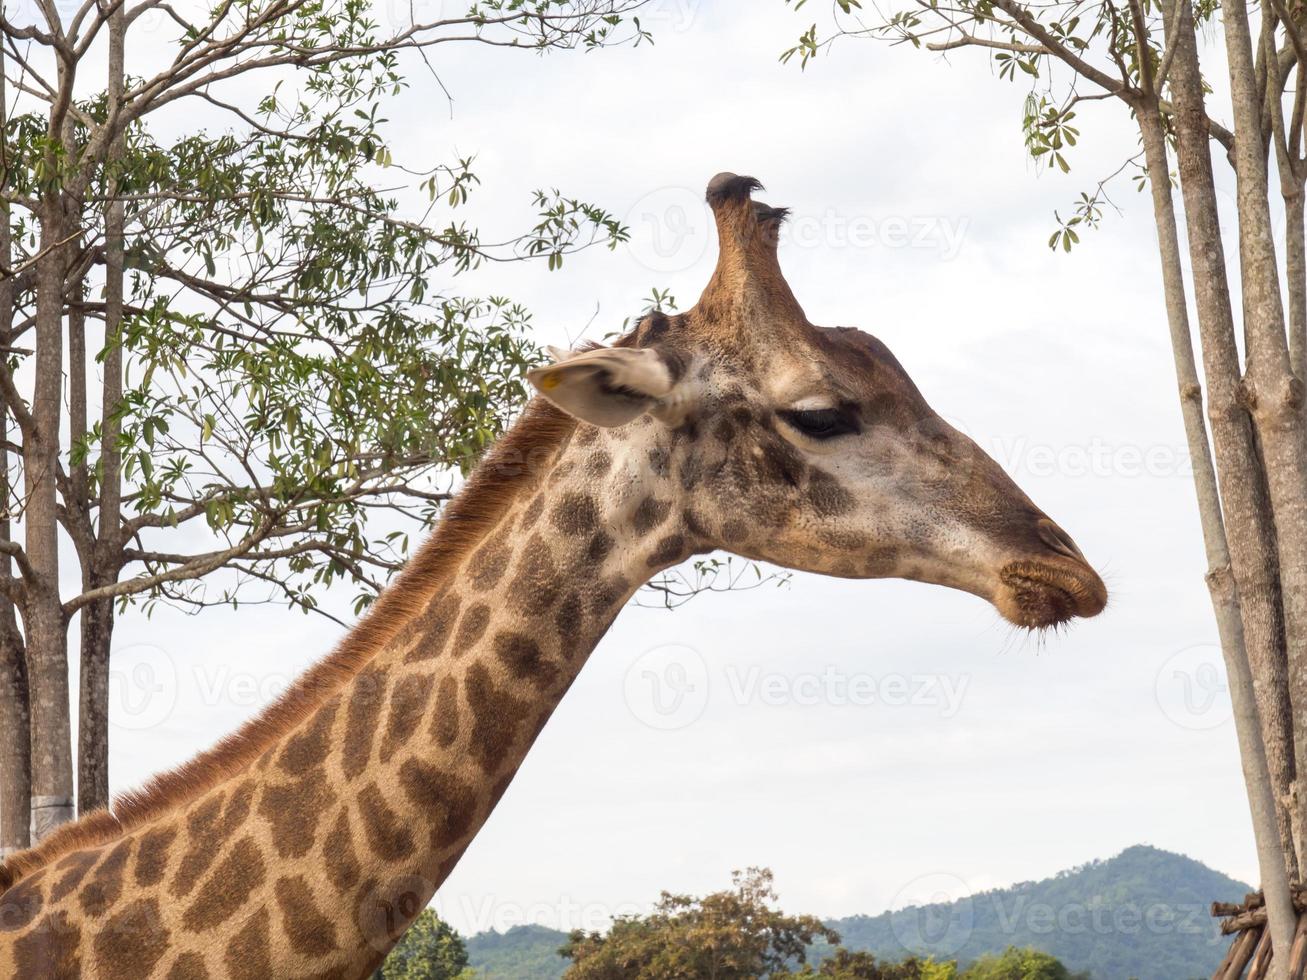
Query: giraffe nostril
x=1058, y=540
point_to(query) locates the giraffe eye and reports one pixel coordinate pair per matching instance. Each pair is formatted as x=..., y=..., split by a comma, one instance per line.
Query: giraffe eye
x=821, y=423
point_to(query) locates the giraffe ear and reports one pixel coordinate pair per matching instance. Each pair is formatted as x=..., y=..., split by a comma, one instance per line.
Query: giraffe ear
x=606, y=387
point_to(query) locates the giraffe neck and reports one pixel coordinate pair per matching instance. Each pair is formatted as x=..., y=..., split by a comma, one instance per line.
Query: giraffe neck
x=428, y=737
x=312, y=860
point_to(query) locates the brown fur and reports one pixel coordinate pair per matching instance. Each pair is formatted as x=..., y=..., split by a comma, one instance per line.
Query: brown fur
x=510, y=465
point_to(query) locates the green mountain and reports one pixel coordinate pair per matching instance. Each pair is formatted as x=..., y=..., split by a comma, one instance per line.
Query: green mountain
x=1142, y=914
x=521, y=953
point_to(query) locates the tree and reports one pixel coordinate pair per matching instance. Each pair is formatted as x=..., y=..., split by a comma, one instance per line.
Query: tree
x=429, y=950
x=1016, y=964
x=268, y=371
x=1249, y=448
x=861, y=965
x=736, y=934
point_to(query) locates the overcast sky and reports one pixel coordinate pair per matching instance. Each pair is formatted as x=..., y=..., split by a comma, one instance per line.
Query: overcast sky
x=873, y=743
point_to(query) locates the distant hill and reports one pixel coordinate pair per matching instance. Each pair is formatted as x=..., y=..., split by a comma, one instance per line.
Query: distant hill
x=1142, y=914
x=521, y=953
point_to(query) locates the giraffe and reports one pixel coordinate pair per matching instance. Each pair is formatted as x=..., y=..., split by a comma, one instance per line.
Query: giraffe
x=304, y=844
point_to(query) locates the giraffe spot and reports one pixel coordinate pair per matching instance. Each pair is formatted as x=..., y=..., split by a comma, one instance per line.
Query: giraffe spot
x=879, y=562
x=695, y=524
x=361, y=719
x=152, y=855
x=307, y=748
x=488, y=564
x=228, y=888
x=599, y=548
x=524, y=659
x=827, y=496
x=294, y=809
x=532, y=513
x=310, y=932
x=447, y=801
x=74, y=868
x=610, y=593
x=495, y=717
x=201, y=827
x=471, y=627
x=692, y=473
x=535, y=585
x=568, y=618
x=51, y=950
x=434, y=628
x=106, y=881
x=561, y=471
x=650, y=514
x=670, y=550
x=781, y=463
x=734, y=531
x=660, y=459
x=343, y=868
x=586, y=434
x=20, y=904
x=843, y=540
x=189, y=966
x=575, y=514
x=724, y=431
x=131, y=942
x=237, y=810
x=390, y=837
x=444, y=724
x=408, y=701
x=247, y=955
x=599, y=463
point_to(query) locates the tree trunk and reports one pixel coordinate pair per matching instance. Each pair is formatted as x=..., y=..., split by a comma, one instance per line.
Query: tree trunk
x=93, y=707
x=43, y=617
x=102, y=562
x=15, y=740
x=1220, y=578
x=1250, y=533
x=1274, y=394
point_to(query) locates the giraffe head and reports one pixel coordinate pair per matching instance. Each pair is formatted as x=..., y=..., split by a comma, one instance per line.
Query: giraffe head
x=810, y=447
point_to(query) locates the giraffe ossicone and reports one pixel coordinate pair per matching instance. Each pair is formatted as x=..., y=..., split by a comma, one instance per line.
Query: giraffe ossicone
x=303, y=844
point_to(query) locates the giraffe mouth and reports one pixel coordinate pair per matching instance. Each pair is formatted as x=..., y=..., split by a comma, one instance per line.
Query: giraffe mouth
x=1043, y=594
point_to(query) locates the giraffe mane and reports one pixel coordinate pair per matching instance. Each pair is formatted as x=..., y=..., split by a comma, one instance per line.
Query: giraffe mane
x=490, y=489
